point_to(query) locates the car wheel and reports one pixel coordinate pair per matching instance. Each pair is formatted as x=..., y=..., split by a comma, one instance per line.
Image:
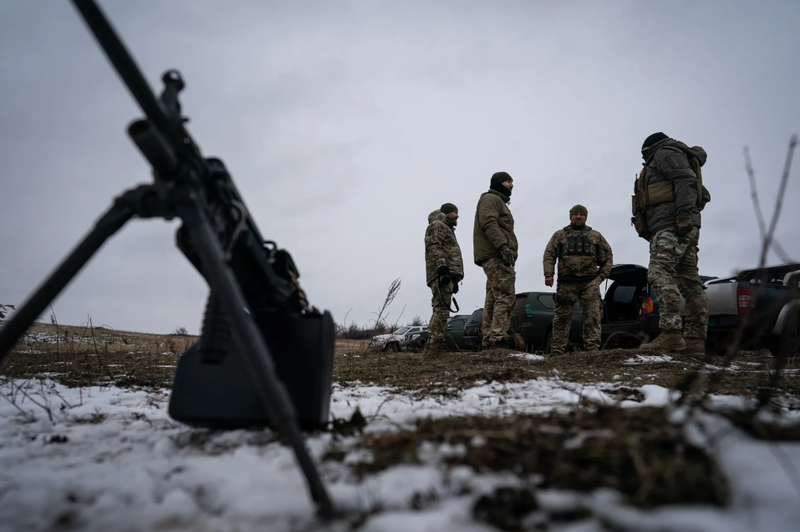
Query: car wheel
x=548, y=340
x=394, y=346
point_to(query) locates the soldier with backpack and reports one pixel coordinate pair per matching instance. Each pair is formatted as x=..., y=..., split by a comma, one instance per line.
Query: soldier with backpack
x=668, y=198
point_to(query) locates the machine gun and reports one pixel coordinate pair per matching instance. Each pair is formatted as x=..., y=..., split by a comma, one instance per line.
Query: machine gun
x=265, y=356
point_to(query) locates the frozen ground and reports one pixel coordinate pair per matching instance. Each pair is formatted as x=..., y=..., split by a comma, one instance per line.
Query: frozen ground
x=112, y=459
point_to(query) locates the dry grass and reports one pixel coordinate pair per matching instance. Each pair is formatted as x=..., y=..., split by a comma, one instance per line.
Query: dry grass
x=82, y=356
x=458, y=370
x=636, y=451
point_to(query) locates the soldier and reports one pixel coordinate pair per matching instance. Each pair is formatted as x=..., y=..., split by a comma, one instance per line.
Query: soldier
x=444, y=268
x=669, y=195
x=495, y=250
x=584, y=261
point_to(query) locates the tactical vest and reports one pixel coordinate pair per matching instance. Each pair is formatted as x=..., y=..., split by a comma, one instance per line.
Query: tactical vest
x=578, y=245
x=658, y=193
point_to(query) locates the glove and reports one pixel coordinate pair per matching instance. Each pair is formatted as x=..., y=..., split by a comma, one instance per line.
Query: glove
x=507, y=255
x=684, y=226
x=444, y=275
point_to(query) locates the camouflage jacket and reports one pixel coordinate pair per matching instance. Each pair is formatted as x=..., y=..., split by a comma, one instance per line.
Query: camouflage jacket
x=494, y=227
x=582, y=254
x=670, y=185
x=441, y=248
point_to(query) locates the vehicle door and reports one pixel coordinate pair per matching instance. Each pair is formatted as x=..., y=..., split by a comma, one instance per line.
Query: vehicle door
x=472, y=329
x=542, y=310
x=454, y=334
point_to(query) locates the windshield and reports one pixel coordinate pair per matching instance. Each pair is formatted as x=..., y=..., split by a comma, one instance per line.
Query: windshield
x=401, y=330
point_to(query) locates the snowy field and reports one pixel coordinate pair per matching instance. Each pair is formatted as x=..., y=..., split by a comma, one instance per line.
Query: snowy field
x=107, y=458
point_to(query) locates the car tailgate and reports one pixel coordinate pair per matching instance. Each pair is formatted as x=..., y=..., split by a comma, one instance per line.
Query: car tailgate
x=722, y=297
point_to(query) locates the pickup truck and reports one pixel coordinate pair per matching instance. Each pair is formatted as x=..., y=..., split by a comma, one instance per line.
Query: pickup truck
x=766, y=302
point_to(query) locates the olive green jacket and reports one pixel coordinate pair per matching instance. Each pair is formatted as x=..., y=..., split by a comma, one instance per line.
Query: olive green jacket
x=494, y=227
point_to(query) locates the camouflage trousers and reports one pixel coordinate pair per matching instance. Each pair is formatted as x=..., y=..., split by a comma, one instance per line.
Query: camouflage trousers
x=442, y=296
x=673, y=273
x=500, y=297
x=588, y=293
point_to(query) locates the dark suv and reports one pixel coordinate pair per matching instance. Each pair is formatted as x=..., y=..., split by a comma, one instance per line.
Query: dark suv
x=532, y=322
x=454, y=334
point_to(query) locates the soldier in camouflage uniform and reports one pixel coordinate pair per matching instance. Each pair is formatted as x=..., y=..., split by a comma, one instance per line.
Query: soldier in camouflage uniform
x=444, y=269
x=495, y=250
x=669, y=195
x=584, y=261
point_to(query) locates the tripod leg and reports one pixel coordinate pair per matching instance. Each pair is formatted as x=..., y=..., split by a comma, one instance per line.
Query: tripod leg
x=271, y=391
x=108, y=224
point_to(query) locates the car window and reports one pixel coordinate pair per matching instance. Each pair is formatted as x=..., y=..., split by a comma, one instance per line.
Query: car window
x=625, y=294
x=519, y=304
x=401, y=330
x=456, y=325
x=547, y=301
x=475, y=318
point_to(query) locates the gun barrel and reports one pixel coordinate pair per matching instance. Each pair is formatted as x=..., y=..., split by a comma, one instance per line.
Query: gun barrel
x=155, y=148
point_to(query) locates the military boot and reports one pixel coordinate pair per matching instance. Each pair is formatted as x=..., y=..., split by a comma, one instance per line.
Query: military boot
x=670, y=340
x=500, y=342
x=695, y=347
x=433, y=349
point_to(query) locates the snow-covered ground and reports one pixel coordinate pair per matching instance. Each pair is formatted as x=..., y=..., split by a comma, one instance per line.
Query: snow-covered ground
x=111, y=459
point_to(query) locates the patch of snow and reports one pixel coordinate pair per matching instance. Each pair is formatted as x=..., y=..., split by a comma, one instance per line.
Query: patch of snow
x=527, y=356
x=650, y=359
x=135, y=469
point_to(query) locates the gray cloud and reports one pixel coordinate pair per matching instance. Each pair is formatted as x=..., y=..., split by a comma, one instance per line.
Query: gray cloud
x=345, y=123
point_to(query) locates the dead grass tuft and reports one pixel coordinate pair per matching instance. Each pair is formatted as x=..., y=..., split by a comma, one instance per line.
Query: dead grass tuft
x=636, y=451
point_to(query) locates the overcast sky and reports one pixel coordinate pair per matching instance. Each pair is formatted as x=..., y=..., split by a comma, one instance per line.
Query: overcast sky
x=345, y=123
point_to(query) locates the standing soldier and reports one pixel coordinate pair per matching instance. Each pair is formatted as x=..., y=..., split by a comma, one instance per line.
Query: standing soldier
x=444, y=268
x=495, y=250
x=584, y=261
x=668, y=197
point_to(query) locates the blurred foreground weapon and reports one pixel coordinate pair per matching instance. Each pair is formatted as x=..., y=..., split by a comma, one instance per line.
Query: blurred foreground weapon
x=265, y=357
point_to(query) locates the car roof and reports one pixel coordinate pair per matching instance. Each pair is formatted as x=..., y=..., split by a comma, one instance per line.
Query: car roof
x=626, y=272
x=523, y=294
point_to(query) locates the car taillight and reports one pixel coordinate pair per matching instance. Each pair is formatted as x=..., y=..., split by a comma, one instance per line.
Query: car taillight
x=647, y=306
x=744, y=299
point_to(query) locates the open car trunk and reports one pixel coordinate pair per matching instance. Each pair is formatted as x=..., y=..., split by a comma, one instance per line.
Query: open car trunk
x=623, y=299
